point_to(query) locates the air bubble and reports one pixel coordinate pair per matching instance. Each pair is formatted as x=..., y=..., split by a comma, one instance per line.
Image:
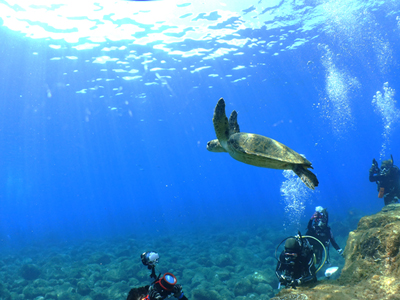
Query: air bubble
x=295, y=195
x=384, y=105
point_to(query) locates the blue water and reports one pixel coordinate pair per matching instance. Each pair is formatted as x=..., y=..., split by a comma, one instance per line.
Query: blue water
x=106, y=112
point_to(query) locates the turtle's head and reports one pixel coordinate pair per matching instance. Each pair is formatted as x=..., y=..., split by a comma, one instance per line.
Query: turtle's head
x=215, y=146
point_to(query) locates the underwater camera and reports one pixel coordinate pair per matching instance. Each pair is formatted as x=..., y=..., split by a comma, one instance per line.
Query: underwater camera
x=150, y=259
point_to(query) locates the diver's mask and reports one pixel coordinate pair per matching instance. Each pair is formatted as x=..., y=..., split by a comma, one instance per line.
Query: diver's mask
x=385, y=170
x=319, y=211
x=321, y=224
x=386, y=166
x=290, y=257
x=320, y=220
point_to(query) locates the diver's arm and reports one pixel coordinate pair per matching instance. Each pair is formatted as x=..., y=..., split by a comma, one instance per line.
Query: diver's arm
x=178, y=292
x=309, y=225
x=374, y=171
x=282, y=278
x=373, y=177
x=279, y=272
x=333, y=242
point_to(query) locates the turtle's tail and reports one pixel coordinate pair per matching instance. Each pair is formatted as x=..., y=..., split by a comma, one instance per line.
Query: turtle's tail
x=308, y=177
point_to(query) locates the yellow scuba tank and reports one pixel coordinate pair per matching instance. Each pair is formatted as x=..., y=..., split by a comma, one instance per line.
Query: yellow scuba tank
x=381, y=192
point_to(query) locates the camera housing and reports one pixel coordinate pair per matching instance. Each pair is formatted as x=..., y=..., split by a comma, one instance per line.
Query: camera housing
x=165, y=285
x=150, y=259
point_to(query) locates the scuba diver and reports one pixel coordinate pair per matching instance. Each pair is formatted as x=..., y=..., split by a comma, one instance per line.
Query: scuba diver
x=388, y=180
x=296, y=263
x=162, y=286
x=318, y=229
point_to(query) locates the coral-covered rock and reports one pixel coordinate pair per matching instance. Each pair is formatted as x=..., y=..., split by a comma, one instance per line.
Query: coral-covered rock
x=372, y=265
x=243, y=287
x=4, y=293
x=83, y=288
x=224, y=260
x=205, y=294
x=30, y=271
x=101, y=258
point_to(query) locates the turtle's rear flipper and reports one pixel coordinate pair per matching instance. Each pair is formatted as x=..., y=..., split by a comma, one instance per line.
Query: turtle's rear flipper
x=306, y=176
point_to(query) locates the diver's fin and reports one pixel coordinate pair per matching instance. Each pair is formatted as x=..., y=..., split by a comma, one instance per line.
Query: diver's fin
x=330, y=271
x=308, y=177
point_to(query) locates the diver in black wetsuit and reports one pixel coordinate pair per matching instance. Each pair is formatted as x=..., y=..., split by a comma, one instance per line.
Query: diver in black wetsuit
x=296, y=263
x=161, y=288
x=388, y=180
x=318, y=227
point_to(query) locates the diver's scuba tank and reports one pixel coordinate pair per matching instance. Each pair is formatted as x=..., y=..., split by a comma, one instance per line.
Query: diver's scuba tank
x=381, y=192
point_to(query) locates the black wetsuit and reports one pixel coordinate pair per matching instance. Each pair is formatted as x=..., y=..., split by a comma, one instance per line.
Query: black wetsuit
x=324, y=235
x=289, y=269
x=390, y=181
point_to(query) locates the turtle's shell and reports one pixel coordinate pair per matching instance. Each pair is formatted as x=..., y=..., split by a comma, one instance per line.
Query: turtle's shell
x=264, y=152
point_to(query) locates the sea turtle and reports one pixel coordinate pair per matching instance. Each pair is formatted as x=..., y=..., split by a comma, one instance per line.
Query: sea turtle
x=255, y=149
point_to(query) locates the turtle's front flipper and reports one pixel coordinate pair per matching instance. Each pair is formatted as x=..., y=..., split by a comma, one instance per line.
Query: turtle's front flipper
x=233, y=124
x=308, y=177
x=221, y=124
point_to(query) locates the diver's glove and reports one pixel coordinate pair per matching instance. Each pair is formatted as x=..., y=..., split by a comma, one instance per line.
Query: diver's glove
x=154, y=295
x=283, y=280
x=340, y=251
x=178, y=293
x=294, y=283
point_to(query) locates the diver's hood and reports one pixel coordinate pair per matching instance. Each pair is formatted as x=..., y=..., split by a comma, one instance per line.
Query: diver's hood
x=387, y=164
x=292, y=245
